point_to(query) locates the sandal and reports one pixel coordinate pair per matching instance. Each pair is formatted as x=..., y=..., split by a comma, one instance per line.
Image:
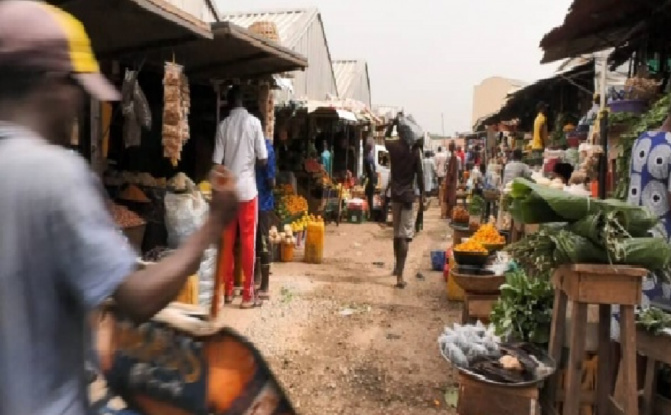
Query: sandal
x=401, y=285
x=228, y=299
x=247, y=305
x=264, y=295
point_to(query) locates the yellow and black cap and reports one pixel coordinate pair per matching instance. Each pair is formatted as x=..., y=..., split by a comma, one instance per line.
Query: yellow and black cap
x=37, y=36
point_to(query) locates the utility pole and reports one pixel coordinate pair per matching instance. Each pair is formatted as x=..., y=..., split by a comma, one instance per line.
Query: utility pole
x=442, y=123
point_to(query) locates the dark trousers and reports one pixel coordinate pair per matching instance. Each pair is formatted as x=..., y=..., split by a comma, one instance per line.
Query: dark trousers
x=262, y=274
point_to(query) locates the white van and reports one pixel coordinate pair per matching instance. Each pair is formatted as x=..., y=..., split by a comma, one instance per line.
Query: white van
x=382, y=165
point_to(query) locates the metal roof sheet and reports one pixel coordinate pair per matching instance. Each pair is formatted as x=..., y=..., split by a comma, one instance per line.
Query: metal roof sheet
x=347, y=72
x=291, y=23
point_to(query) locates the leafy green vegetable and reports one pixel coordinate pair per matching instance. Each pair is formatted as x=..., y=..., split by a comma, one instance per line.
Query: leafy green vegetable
x=524, y=309
x=477, y=205
x=653, y=320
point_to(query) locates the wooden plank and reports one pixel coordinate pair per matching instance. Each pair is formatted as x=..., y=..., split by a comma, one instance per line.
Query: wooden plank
x=607, y=289
x=575, y=360
x=628, y=343
x=606, y=269
x=649, y=387
x=662, y=406
x=556, y=342
x=656, y=347
x=477, y=398
x=604, y=369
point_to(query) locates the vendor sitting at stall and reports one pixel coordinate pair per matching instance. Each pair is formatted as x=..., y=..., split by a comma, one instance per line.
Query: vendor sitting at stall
x=563, y=171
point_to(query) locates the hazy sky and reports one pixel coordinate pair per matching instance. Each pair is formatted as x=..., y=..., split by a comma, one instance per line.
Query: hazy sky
x=426, y=55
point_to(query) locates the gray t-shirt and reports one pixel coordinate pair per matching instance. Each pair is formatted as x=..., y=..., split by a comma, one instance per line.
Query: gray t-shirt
x=515, y=169
x=61, y=255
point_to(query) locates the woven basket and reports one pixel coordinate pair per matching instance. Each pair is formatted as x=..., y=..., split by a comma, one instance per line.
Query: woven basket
x=267, y=30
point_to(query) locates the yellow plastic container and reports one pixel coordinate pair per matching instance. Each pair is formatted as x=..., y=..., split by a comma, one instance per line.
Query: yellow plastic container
x=189, y=294
x=287, y=252
x=454, y=291
x=314, y=243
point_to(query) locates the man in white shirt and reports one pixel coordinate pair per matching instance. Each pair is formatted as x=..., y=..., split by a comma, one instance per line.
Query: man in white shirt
x=239, y=146
x=440, y=161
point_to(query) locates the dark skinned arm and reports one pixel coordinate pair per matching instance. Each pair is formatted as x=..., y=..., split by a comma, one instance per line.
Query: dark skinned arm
x=146, y=292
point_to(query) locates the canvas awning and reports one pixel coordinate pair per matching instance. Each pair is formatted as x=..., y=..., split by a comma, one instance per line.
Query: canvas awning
x=233, y=52
x=123, y=27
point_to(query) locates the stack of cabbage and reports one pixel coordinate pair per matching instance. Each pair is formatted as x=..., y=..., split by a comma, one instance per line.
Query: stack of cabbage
x=591, y=231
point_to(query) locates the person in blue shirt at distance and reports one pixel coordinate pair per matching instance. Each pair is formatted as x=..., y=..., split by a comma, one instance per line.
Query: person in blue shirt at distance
x=265, y=182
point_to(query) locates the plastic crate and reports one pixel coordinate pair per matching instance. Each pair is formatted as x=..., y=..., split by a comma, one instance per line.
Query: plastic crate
x=356, y=216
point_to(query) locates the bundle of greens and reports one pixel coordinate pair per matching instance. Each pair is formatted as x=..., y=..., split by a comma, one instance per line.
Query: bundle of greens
x=553, y=246
x=533, y=203
x=524, y=309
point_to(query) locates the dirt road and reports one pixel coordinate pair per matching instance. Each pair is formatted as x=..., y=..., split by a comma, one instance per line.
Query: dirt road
x=342, y=340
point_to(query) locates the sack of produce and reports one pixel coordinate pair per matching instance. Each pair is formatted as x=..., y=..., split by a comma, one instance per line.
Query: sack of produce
x=408, y=129
x=184, y=214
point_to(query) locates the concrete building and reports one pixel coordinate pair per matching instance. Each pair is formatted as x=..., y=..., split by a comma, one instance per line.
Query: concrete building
x=490, y=95
x=352, y=80
x=302, y=31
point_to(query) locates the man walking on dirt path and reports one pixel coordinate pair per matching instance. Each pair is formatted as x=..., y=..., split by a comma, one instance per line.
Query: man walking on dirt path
x=406, y=170
x=240, y=146
x=61, y=254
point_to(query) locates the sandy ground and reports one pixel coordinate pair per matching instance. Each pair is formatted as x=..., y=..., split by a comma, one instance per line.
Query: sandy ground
x=342, y=340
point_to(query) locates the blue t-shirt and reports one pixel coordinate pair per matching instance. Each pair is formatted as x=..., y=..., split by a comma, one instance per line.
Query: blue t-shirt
x=61, y=255
x=326, y=161
x=263, y=175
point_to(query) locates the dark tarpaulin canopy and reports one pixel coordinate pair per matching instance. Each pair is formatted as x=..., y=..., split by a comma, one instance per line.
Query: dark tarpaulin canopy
x=522, y=103
x=122, y=27
x=594, y=25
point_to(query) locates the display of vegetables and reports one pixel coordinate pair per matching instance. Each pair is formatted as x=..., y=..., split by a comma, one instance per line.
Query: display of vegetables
x=653, y=320
x=598, y=231
x=460, y=215
x=285, y=237
x=471, y=246
x=489, y=235
x=524, y=309
x=293, y=205
x=124, y=217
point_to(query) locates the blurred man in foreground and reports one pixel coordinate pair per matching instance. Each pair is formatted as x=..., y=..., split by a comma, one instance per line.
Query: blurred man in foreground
x=61, y=255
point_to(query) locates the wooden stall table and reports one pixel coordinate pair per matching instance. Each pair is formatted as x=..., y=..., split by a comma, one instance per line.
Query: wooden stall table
x=657, y=348
x=605, y=285
x=460, y=232
x=480, y=398
x=481, y=292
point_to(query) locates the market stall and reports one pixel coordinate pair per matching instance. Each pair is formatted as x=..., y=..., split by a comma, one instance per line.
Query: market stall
x=546, y=289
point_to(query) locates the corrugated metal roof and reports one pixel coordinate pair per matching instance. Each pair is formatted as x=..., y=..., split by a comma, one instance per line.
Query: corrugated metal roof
x=347, y=74
x=291, y=23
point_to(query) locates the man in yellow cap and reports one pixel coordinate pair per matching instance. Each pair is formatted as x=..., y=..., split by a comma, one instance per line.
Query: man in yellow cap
x=61, y=255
